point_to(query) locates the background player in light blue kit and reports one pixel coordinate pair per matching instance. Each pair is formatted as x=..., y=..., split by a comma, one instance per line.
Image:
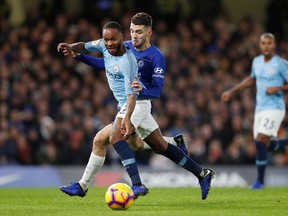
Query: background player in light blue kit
x=270, y=74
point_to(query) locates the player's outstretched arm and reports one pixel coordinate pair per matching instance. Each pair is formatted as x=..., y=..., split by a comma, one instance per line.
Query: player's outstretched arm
x=246, y=83
x=94, y=62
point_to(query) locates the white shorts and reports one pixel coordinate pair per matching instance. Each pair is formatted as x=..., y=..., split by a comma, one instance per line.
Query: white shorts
x=268, y=122
x=141, y=118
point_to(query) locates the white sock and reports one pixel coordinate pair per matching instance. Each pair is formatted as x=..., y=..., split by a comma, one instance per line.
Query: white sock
x=170, y=140
x=94, y=164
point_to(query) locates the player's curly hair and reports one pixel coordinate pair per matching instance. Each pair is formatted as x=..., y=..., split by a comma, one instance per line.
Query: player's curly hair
x=142, y=19
x=113, y=25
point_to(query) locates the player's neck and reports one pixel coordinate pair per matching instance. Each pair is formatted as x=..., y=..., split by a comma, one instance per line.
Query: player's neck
x=121, y=51
x=267, y=58
x=143, y=47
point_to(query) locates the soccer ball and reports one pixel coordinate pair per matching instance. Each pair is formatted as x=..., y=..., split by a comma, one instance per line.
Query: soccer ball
x=119, y=196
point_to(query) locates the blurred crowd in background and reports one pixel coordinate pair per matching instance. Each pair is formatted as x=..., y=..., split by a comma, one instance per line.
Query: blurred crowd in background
x=51, y=106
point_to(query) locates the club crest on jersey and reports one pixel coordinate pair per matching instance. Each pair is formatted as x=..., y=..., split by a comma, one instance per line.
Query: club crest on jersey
x=140, y=63
x=116, y=68
x=271, y=71
x=158, y=70
x=95, y=42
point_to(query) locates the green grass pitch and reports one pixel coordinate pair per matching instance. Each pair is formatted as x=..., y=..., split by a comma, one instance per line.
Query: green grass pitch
x=159, y=201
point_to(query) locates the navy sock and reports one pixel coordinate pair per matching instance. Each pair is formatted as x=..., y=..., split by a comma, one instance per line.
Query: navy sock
x=175, y=154
x=261, y=160
x=277, y=144
x=128, y=160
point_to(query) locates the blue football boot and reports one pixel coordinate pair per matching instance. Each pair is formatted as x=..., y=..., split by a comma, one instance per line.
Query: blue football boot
x=139, y=190
x=256, y=186
x=205, y=182
x=181, y=142
x=74, y=189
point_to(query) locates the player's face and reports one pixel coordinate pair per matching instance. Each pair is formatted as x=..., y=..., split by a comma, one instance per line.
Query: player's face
x=267, y=46
x=113, y=40
x=140, y=36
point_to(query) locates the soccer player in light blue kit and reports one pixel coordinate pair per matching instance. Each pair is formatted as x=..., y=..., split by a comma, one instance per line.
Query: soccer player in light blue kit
x=121, y=70
x=270, y=74
x=148, y=58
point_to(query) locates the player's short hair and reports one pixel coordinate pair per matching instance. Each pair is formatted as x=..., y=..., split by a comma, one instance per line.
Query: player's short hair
x=267, y=34
x=142, y=19
x=113, y=25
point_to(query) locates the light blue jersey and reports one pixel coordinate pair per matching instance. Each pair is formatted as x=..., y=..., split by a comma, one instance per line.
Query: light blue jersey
x=269, y=74
x=120, y=70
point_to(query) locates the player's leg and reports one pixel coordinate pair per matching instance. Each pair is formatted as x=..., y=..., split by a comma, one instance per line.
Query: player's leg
x=277, y=144
x=142, y=109
x=137, y=143
x=160, y=146
x=178, y=140
x=97, y=157
x=266, y=125
x=94, y=164
x=127, y=157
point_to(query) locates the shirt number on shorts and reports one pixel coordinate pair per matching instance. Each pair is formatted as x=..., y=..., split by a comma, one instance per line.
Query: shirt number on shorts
x=268, y=124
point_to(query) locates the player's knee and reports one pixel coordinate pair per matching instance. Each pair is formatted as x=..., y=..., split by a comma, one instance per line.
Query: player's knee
x=137, y=146
x=113, y=139
x=99, y=141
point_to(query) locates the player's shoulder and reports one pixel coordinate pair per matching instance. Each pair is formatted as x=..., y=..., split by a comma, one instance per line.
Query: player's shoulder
x=156, y=50
x=258, y=58
x=280, y=59
x=128, y=44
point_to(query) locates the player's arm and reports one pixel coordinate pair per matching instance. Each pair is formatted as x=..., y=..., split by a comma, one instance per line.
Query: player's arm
x=94, y=62
x=78, y=47
x=275, y=89
x=246, y=83
x=131, y=72
x=155, y=89
x=283, y=70
x=67, y=48
x=126, y=125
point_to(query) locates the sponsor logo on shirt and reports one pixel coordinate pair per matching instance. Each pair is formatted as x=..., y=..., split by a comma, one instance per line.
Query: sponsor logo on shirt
x=140, y=63
x=116, y=68
x=158, y=70
x=95, y=42
x=271, y=71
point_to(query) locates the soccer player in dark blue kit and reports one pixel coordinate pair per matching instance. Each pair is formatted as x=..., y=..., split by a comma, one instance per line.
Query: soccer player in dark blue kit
x=151, y=65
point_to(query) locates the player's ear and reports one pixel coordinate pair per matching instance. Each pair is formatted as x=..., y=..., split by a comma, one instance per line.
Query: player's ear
x=150, y=32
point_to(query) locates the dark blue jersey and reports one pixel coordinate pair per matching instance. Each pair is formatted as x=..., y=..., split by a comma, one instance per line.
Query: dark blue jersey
x=151, y=63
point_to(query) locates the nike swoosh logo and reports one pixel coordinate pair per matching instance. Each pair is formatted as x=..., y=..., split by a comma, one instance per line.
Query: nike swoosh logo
x=9, y=178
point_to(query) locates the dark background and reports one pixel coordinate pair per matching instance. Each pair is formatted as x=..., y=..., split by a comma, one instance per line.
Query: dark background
x=52, y=106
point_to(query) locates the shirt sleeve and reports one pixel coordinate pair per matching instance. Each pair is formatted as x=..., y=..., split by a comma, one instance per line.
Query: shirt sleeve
x=253, y=69
x=94, y=62
x=158, y=75
x=284, y=70
x=94, y=46
x=131, y=71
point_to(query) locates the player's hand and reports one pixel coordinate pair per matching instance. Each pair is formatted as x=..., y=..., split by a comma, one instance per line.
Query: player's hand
x=126, y=127
x=65, y=48
x=226, y=95
x=136, y=85
x=272, y=90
